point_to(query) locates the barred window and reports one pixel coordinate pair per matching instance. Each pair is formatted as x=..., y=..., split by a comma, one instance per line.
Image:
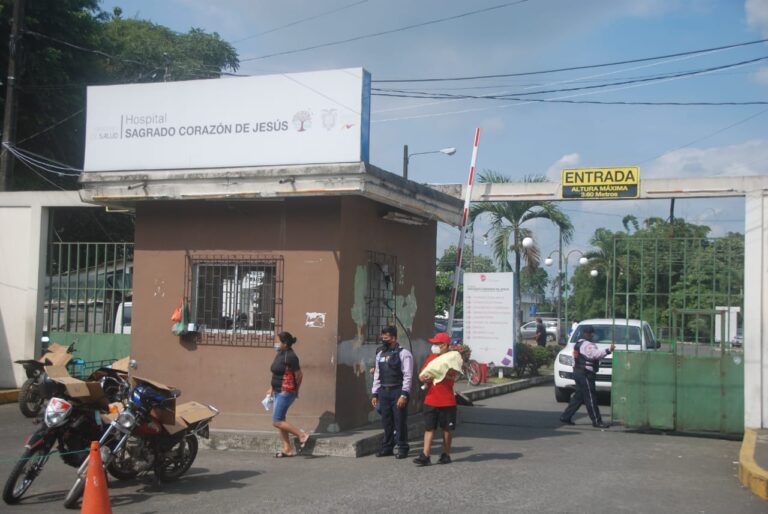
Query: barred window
x=382, y=280
x=236, y=301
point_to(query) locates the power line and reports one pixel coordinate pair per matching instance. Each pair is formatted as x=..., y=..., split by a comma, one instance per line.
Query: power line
x=574, y=68
x=84, y=49
x=426, y=94
x=297, y=22
x=51, y=126
x=744, y=120
x=386, y=32
x=596, y=102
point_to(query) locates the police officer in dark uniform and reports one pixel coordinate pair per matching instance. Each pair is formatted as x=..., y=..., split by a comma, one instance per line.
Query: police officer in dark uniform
x=392, y=378
x=586, y=363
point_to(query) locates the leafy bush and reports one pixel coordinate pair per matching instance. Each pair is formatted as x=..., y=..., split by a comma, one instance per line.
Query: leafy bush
x=531, y=358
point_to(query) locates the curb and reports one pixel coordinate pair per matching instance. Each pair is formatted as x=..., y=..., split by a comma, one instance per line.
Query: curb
x=9, y=396
x=750, y=474
x=353, y=443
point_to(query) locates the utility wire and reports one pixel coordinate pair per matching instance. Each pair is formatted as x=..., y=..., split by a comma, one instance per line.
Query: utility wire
x=51, y=126
x=426, y=94
x=573, y=68
x=297, y=22
x=719, y=131
x=84, y=49
x=386, y=32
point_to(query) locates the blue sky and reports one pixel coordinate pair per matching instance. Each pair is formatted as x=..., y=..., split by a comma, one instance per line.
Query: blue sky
x=519, y=140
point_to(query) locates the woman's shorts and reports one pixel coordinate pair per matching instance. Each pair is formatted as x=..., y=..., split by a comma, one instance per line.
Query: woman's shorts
x=443, y=417
x=282, y=402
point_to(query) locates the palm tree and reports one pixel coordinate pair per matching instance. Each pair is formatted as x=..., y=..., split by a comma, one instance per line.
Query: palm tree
x=507, y=219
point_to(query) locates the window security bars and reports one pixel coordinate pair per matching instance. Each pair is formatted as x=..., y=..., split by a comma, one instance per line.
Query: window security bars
x=380, y=295
x=236, y=301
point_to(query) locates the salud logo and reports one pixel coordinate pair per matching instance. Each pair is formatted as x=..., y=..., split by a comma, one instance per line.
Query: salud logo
x=483, y=278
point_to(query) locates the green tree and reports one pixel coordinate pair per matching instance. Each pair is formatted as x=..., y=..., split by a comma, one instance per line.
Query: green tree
x=507, y=220
x=444, y=277
x=69, y=44
x=469, y=261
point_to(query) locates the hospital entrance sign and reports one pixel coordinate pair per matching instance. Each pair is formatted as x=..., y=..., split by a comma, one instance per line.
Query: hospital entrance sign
x=601, y=183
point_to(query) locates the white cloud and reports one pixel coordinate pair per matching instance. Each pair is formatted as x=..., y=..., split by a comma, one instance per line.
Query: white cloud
x=747, y=158
x=493, y=124
x=761, y=76
x=757, y=14
x=566, y=161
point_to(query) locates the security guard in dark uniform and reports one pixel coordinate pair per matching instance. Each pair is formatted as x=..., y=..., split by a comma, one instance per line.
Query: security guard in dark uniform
x=586, y=363
x=392, y=378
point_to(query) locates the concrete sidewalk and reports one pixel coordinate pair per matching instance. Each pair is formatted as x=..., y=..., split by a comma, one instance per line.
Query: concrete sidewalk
x=360, y=442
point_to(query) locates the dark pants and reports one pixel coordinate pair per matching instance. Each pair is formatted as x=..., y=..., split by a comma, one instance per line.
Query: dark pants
x=585, y=394
x=394, y=420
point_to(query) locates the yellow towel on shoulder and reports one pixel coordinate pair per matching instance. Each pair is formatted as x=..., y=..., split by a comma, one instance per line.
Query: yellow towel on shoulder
x=439, y=367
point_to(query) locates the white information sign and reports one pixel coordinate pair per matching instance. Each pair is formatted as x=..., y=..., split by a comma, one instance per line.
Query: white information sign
x=296, y=118
x=489, y=317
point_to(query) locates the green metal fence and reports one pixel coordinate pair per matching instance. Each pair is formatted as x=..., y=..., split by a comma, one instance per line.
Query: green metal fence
x=691, y=291
x=88, y=298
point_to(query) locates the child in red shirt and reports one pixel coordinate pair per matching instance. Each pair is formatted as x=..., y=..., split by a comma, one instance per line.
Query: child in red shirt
x=439, y=406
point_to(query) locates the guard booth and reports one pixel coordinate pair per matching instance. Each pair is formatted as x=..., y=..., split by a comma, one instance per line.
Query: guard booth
x=258, y=212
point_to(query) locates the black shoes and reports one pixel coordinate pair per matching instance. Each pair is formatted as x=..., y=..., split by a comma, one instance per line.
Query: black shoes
x=444, y=459
x=401, y=455
x=422, y=460
x=383, y=453
x=565, y=421
x=600, y=424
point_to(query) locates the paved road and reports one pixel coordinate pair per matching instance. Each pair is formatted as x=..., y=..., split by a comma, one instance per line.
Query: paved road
x=510, y=455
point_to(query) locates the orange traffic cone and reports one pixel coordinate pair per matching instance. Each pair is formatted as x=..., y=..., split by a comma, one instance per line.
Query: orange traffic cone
x=96, y=496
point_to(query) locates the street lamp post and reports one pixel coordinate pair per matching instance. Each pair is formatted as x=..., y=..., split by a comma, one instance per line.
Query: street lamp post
x=582, y=260
x=407, y=156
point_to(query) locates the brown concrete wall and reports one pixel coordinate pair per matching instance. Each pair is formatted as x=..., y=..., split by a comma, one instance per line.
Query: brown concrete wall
x=414, y=246
x=306, y=233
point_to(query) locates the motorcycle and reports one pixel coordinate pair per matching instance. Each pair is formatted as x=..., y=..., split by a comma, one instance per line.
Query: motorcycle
x=139, y=441
x=68, y=424
x=30, y=400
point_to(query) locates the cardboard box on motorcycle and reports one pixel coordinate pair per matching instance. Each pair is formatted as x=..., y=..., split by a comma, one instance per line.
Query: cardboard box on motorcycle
x=84, y=391
x=175, y=418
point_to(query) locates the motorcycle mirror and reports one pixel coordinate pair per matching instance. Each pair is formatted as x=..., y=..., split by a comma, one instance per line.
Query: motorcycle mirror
x=133, y=364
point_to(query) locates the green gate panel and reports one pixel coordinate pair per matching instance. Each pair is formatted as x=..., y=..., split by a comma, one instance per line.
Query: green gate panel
x=732, y=372
x=643, y=389
x=698, y=394
x=95, y=347
x=685, y=393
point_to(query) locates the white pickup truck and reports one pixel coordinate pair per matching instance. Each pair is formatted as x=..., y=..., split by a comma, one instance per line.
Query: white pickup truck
x=628, y=335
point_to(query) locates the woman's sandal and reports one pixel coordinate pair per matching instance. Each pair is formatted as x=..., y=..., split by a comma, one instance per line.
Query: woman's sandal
x=283, y=455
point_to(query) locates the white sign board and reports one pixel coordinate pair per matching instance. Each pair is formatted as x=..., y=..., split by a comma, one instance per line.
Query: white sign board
x=489, y=317
x=296, y=118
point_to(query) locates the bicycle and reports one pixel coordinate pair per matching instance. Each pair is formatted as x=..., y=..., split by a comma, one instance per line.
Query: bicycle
x=471, y=370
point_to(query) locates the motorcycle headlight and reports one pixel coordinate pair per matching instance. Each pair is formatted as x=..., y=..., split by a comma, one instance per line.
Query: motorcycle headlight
x=126, y=419
x=56, y=412
x=565, y=359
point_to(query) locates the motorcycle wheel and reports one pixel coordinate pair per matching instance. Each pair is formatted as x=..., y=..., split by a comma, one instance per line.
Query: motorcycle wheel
x=27, y=469
x=121, y=466
x=30, y=399
x=178, y=459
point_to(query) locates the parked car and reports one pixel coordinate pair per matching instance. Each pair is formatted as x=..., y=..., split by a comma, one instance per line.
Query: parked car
x=628, y=335
x=457, y=331
x=529, y=330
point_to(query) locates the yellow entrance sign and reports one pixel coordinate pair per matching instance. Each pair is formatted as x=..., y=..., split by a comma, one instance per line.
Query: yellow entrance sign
x=601, y=183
